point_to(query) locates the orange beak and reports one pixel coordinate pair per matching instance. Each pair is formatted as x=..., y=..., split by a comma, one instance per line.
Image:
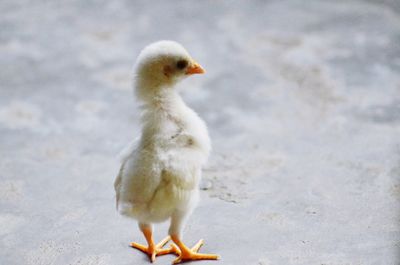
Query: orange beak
x=195, y=68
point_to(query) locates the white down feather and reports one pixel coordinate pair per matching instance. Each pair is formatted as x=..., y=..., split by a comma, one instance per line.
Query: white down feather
x=161, y=170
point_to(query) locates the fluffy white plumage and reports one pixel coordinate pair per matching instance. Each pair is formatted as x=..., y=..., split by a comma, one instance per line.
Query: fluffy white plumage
x=160, y=172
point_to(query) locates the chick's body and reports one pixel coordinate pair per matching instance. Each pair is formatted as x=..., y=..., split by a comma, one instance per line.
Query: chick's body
x=160, y=172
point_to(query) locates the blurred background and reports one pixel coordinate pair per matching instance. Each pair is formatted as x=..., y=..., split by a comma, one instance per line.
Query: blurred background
x=302, y=100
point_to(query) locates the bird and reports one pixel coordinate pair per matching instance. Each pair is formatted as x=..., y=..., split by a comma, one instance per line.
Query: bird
x=160, y=171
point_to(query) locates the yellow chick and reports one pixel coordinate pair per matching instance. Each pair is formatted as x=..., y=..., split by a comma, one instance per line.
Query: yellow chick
x=160, y=172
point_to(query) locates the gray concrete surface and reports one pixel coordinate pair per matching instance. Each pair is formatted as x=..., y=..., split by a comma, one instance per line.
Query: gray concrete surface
x=302, y=99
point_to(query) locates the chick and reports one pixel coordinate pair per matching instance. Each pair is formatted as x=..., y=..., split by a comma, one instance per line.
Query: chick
x=161, y=171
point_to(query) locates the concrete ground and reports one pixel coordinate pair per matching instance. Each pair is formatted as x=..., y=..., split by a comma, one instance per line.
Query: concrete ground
x=302, y=99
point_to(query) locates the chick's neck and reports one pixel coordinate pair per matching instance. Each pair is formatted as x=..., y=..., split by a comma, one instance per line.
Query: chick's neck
x=163, y=100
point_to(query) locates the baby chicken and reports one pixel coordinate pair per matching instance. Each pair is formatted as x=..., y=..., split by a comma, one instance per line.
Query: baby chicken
x=160, y=172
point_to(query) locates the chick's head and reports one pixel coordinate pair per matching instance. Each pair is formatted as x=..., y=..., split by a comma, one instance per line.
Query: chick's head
x=161, y=65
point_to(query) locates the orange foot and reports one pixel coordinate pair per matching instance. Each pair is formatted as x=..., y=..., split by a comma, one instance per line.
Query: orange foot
x=155, y=250
x=188, y=254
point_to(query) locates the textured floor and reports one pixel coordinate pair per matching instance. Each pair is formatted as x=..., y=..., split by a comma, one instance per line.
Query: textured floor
x=302, y=99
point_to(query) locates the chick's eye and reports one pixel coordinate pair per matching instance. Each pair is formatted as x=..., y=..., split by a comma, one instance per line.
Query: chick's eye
x=181, y=64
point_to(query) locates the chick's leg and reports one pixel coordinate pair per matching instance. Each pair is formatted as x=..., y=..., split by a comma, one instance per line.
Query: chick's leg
x=185, y=253
x=152, y=249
